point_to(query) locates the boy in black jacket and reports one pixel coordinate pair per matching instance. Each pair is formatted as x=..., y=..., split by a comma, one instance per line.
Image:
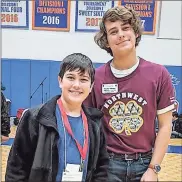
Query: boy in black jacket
x=61, y=140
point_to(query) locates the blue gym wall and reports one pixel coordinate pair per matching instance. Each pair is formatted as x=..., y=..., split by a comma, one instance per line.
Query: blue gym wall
x=22, y=77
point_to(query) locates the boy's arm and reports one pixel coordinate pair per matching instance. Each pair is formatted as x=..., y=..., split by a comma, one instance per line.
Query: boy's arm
x=161, y=144
x=165, y=104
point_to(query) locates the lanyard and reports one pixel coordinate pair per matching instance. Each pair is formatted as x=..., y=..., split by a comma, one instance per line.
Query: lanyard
x=83, y=151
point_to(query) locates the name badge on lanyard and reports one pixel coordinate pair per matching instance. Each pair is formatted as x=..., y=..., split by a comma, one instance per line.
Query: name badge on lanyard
x=72, y=173
x=109, y=88
x=72, y=176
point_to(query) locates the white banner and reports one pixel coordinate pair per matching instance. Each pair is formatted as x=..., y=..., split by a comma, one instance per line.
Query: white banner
x=89, y=14
x=14, y=13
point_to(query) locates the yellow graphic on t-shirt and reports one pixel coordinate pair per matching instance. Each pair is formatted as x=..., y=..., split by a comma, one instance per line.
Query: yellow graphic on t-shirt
x=126, y=117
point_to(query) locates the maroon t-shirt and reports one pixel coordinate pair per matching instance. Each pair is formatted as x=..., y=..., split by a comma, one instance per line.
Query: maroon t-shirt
x=131, y=104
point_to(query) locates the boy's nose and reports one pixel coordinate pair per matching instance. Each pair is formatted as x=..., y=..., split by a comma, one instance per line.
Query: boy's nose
x=76, y=83
x=121, y=34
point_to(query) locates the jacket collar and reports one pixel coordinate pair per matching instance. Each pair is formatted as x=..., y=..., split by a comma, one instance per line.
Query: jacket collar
x=47, y=113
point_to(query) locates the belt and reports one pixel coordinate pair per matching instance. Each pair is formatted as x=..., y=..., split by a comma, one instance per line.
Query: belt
x=134, y=156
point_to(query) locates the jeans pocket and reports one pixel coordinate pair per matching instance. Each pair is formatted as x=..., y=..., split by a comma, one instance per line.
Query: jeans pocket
x=145, y=161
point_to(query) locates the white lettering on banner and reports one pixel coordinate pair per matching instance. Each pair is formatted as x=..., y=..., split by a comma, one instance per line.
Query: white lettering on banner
x=51, y=20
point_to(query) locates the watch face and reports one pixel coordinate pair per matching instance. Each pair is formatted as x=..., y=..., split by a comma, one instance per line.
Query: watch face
x=157, y=168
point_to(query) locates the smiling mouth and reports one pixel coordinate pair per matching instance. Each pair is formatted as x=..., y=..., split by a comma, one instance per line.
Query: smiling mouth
x=75, y=92
x=122, y=42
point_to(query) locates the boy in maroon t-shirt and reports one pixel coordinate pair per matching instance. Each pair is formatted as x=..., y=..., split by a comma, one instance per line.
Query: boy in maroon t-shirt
x=131, y=92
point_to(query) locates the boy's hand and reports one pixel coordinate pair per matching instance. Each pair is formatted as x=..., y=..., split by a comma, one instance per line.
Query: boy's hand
x=149, y=175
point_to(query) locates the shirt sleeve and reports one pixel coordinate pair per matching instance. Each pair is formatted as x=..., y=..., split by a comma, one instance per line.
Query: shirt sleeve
x=165, y=93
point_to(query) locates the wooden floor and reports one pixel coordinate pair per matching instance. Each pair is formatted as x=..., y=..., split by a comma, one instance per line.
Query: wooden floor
x=171, y=165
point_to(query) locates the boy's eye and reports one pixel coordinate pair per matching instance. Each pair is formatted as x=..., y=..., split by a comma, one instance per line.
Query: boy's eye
x=70, y=77
x=113, y=32
x=126, y=28
x=84, y=80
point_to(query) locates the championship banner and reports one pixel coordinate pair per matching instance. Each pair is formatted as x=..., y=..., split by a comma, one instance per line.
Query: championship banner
x=14, y=14
x=147, y=10
x=89, y=13
x=51, y=15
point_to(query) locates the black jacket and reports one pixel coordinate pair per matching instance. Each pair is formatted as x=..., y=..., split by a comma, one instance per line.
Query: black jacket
x=34, y=153
x=178, y=125
x=5, y=119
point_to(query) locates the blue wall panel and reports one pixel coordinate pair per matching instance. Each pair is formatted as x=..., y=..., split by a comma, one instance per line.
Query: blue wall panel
x=5, y=75
x=39, y=91
x=176, y=76
x=23, y=77
x=20, y=85
x=54, y=71
x=96, y=65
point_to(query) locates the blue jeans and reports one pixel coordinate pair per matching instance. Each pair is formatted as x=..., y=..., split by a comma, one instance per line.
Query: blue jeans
x=121, y=170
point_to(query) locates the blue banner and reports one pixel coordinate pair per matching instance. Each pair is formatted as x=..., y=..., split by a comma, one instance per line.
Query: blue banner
x=51, y=15
x=147, y=10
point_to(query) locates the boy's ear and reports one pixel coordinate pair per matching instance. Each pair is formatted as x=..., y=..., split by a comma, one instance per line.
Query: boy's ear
x=107, y=45
x=60, y=81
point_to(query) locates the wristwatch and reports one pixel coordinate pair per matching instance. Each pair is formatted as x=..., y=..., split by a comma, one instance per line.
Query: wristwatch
x=156, y=168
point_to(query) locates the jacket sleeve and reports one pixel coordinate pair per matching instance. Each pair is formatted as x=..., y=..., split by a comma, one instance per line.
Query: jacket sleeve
x=5, y=119
x=22, y=151
x=101, y=171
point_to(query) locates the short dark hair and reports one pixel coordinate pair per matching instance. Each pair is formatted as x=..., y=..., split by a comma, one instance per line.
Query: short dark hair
x=77, y=61
x=175, y=114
